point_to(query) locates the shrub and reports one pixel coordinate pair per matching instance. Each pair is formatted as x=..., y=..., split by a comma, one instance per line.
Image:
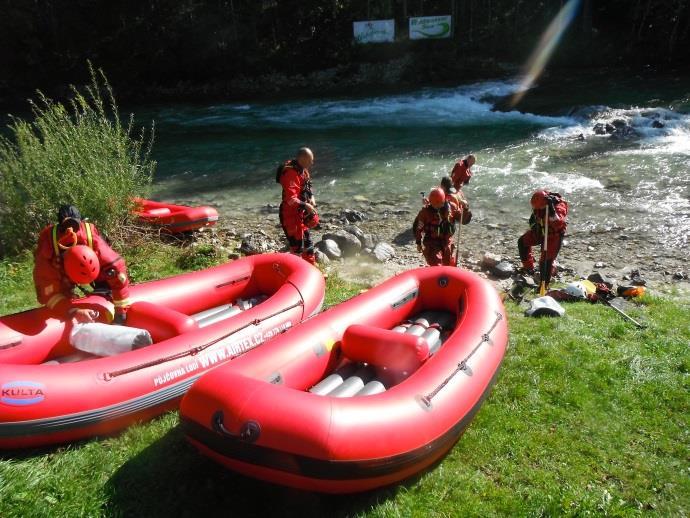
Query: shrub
x=200, y=256
x=79, y=153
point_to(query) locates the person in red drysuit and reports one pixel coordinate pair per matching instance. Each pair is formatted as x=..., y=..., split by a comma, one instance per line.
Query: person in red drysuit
x=55, y=288
x=434, y=227
x=462, y=172
x=298, y=206
x=457, y=198
x=557, y=221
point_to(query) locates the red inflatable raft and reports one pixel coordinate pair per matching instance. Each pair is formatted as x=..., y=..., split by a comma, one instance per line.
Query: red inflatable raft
x=51, y=393
x=174, y=218
x=363, y=395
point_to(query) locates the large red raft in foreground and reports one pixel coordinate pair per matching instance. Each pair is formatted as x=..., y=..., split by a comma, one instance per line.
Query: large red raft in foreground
x=174, y=218
x=51, y=393
x=364, y=394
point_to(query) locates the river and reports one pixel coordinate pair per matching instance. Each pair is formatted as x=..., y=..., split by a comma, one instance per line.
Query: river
x=381, y=151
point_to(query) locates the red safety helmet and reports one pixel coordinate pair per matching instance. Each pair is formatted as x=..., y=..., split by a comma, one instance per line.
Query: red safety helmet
x=539, y=199
x=437, y=197
x=311, y=219
x=81, y=264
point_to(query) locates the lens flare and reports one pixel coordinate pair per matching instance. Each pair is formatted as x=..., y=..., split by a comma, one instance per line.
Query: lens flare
x=547, y=44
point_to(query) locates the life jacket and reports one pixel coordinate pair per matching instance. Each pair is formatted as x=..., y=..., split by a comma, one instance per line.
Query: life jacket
x=560, y=201
x=58, y=248
x=440, y=224
x=306, y=193
x=535, y=221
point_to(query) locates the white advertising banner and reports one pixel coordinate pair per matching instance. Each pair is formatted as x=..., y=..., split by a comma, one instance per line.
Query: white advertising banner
x=374, y=31
x=430, y=27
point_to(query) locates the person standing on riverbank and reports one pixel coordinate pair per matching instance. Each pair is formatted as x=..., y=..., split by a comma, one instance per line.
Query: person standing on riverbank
x=544, y=202
x=72, y=253
x=462, y=172
x=298, y=206
x=434, y=227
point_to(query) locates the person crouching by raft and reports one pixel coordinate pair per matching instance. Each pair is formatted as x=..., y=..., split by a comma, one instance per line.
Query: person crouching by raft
x=457, y=198
x=557, y=207
x=462, y=172
x=434, y=227
x=298, y=206
x=72, y=253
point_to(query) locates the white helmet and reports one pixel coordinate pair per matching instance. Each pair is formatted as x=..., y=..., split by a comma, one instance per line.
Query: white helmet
x=544, y=306
x=576, y=289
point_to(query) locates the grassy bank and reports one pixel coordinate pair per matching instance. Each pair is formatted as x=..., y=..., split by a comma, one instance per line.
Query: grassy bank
x=589, y=416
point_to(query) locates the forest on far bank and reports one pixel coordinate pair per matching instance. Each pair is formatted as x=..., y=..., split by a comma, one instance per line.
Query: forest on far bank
x=143, y=43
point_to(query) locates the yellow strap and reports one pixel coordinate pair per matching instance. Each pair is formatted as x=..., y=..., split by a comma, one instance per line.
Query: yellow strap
x=121, y=303
x=89, y=235
x=54, y=300
x=56, y=248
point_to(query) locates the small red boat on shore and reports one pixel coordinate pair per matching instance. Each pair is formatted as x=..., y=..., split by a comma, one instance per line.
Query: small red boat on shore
x=174, y=218
x=363, y=395
x=52, y=393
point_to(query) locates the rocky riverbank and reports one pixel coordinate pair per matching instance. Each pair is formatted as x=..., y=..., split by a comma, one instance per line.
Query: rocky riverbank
x=489, y=239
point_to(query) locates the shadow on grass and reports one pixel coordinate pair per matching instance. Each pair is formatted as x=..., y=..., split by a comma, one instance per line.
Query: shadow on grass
x=169, y=478
x=41, y=451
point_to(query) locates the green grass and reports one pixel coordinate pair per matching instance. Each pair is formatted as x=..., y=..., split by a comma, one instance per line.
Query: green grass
x=589, y=416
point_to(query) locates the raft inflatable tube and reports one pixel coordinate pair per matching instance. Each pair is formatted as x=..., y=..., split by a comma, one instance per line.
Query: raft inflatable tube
x=174, y=218
x=52, y=393
x=363, y=395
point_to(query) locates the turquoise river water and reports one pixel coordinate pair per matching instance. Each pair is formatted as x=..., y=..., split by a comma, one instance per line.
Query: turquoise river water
x=391, y=147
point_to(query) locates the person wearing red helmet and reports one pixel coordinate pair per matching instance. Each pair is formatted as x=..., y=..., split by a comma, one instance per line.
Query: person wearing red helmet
x=462, y=171
x=72, y=253
x=434, y=227
x=298, y=206
x=557, y=223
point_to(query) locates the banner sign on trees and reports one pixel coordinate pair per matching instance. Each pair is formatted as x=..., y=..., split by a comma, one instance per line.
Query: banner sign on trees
x=374, y=31
x=430, y=27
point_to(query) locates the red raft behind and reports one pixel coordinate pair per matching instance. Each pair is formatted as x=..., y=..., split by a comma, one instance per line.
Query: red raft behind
x=174, y=218
x=363, y=395
x=52, y=393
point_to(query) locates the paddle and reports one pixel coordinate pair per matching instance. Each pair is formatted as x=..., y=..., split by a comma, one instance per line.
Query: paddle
x=544, y=248
x=608, y=303
x=457, y=238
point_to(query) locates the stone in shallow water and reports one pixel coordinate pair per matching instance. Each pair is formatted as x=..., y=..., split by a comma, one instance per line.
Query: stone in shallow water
x=351, y=215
